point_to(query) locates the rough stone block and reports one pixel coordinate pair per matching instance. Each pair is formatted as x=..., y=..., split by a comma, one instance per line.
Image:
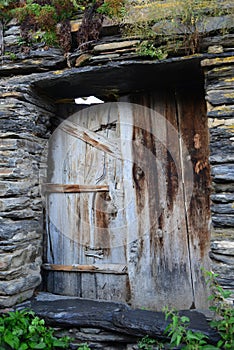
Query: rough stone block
x=218, y=97
x=223, y=247
x=110, y=316
x=7, y=301
x=10, y=204
x=12, y=40
x=21, y=271
x=22, y=230
x=223, y=187
x=224, y=111
x=222, y=198
x=21, y=284
x=17, y=188
x=223, y=173
x=115, y=45
x=220, y=234
x=223, y=220
x=227, y=208
x=19, y=257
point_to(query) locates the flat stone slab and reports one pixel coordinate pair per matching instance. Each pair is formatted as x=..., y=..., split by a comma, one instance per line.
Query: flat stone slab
x=70, y=312
x=115, y=45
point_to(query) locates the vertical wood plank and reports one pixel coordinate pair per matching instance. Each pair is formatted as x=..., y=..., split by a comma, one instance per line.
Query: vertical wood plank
x=84, y=228
x=194, y=131
x=159, y=268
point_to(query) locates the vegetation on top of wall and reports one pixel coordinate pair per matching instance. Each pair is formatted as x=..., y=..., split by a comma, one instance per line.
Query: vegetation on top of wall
x=182, y=23
x=48, y=20
x=113, y=8
x=45, y=21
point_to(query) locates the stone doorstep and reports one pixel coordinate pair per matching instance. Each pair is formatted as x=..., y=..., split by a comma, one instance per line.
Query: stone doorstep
x=118, y=318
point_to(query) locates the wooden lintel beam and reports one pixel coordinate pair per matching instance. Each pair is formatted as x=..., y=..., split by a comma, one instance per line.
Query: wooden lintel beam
x=117, y=269
x=92, y=138
x=73, y=188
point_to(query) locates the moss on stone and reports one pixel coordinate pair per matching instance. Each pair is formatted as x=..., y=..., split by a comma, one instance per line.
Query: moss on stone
x=217, y=61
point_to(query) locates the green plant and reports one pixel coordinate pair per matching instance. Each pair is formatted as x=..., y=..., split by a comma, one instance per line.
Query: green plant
x=113, y=8
x=5, y=9
x=180, y=23
x=36, y=16
x=147, y=48
x=224, y=313
x=84, y=347
x=65, y=9
x=180, y=335
x=47, y=18
x=12, y=56
x=50, y=38
x=22, y=330
x=147, y=343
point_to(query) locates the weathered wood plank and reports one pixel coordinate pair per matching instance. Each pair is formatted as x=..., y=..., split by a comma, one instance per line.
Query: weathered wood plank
x=159, y=247
x=96, y=140
x=86, y=226
x=192, y=121
x=60, y=188
x=118, y=269
x=63, y=283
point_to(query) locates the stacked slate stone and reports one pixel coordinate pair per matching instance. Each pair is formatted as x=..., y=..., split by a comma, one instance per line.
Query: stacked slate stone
x=219, y=94
x=24, y=122
x=19, y=59
x=23, y=131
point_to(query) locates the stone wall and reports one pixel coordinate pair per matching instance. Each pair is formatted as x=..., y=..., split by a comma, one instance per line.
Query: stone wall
x=219, y=95
x=26, y=122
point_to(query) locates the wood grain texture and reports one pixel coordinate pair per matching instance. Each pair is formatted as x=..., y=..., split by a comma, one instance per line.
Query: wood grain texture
x=154, y=162
x=194, y=131
x=61, y=188
x=104, y=268
x=92, y=138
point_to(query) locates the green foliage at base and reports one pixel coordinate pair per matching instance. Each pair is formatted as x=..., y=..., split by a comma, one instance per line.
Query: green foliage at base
x=22, y=330
x=179, y=336
x=148, y=343
x=84, y=347
x=223, y=321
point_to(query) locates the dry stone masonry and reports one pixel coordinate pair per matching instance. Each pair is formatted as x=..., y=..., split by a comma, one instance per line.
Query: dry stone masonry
x=220, y=111
x=24, y=133
x=29, y=84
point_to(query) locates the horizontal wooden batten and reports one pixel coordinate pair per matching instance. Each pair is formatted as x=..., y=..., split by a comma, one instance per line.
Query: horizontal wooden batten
x=73, y=188
x=92, y=138
x=116, y=269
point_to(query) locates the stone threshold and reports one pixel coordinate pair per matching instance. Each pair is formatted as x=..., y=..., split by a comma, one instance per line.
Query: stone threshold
x=67, y=312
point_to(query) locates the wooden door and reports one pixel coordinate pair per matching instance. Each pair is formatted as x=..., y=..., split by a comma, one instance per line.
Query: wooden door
x=123, y=220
